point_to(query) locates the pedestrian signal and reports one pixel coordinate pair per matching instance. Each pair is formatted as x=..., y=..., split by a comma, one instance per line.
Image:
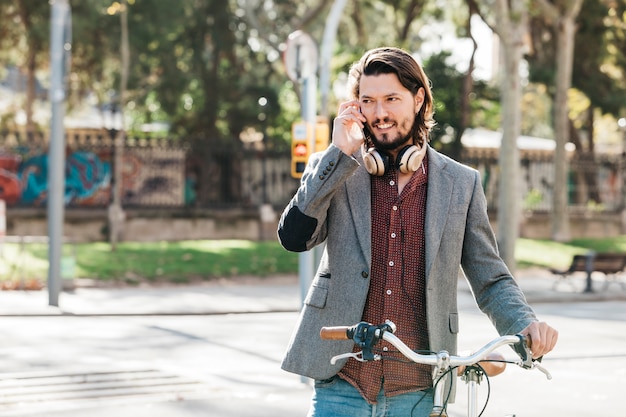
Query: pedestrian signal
x=300, y=150
x=300, y=147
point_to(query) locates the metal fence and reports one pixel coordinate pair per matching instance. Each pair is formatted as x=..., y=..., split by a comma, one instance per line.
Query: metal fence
x=594, y=183
x=156, y=172
x=195, y=173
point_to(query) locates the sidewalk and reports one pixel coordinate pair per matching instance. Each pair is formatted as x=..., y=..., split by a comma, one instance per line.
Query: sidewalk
x=249, y=295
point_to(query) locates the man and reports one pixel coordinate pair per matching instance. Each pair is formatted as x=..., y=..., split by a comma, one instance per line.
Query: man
x=398, y=219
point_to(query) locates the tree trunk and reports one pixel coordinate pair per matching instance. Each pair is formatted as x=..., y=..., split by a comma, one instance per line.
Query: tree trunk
x=508, y=186
x=468, y=83
x=564, y=61
x=511, y=28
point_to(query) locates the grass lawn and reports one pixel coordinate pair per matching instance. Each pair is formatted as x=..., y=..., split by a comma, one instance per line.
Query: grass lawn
x=133, y=263
x=187, y=261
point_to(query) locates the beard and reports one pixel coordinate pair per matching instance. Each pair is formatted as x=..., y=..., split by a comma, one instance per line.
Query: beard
x=387, y=143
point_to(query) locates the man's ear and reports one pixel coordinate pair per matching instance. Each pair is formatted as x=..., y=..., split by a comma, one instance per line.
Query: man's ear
x=419, y=99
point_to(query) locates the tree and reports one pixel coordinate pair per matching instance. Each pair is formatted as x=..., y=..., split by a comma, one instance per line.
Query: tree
x=596, y=73
x=563, y=15
x=509, y=20
x=26, y=24
x=457, y=105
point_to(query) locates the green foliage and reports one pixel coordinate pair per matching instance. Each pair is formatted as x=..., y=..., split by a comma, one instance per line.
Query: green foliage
x=447, y=87
x=202, y=66
x=532, y=199
x=600, y=54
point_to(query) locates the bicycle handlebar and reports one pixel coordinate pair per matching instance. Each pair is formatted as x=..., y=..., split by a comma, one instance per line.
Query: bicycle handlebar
x=366, y=335
x=336, y=333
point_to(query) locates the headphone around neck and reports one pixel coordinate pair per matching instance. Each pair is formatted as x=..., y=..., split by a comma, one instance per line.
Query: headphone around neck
x=409, y=160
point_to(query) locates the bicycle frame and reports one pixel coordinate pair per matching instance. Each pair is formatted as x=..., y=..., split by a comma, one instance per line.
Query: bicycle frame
x=366, y=335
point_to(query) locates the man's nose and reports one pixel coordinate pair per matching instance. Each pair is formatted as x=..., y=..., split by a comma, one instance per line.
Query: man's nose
x=381, y=110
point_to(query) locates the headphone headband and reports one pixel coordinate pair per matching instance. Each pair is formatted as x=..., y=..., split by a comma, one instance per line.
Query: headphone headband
x=409, y=159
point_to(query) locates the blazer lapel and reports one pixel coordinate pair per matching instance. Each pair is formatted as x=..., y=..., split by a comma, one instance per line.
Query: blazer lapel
x=440, y=186
x=359, y=195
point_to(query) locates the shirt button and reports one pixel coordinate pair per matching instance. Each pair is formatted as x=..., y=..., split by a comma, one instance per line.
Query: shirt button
x=393, y=235
x=395, y=208
x=388, y=292
x=391, y=263
x=385, y=349
x=392, y=182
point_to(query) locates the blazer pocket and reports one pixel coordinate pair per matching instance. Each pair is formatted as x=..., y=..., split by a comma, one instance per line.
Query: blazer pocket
x=453, y=322
x=319, y=291
x=316, y=297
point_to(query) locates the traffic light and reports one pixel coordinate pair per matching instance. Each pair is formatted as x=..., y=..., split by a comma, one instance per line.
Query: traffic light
x=300, y=147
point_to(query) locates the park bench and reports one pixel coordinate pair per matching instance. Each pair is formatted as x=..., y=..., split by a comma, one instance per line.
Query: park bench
x=610, y=264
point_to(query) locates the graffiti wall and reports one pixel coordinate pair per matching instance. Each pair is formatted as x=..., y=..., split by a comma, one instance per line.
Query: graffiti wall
x=151, y=176
x=24, y=178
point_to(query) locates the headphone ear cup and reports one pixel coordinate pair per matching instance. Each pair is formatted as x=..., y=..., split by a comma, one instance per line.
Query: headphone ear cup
x=375, y=163
x=410, y=158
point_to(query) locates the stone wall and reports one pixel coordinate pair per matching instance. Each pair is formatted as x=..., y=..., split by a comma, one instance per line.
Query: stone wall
x=151, y=225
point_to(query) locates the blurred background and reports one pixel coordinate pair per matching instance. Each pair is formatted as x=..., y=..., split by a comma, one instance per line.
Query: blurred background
x=184, y=126
x=190, y=104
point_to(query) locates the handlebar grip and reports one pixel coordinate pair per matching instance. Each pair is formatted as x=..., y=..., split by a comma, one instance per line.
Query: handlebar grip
x=335, y=333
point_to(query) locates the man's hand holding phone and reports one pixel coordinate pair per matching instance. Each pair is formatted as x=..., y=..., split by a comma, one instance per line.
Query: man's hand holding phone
x=348, y=127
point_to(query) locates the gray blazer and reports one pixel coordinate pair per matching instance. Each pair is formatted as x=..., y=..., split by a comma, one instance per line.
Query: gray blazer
x=333, y=205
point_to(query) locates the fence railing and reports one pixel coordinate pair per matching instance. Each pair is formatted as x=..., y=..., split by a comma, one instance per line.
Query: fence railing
x=594, y=183
x=161, y=173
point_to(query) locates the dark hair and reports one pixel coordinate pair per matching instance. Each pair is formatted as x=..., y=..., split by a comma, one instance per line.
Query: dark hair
x=389, y=60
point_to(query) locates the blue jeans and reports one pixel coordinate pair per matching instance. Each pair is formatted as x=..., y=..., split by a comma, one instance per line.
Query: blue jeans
x=338, y=398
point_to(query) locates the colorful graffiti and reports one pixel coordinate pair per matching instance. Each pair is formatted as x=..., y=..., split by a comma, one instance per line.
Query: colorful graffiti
x=25, y=182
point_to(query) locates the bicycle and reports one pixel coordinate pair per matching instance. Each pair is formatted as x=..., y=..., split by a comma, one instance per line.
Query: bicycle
x=472, y=369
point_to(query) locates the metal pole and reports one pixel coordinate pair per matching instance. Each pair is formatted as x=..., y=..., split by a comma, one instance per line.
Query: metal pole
x=589, y=269
x=59, y=18
x=330, y=33
x=116, y=209
x=306, y=260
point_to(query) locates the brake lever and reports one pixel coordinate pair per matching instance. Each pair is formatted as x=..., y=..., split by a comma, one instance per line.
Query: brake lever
x=358, y=356
x=523, y=351
x=543, y=370
x=527, y=361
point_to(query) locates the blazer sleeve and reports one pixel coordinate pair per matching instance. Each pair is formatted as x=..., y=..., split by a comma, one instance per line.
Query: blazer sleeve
x=495, y=290
x=302, y=224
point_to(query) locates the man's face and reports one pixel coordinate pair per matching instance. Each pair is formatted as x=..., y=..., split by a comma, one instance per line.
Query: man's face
x=390, y=110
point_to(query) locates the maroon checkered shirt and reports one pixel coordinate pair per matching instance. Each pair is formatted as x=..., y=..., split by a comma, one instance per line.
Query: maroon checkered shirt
x=397, y=287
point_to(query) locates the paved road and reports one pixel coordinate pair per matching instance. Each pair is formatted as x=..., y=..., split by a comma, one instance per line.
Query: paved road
x=58, y=364
x=588, y=365
x=179, y=366
x=152, y=365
